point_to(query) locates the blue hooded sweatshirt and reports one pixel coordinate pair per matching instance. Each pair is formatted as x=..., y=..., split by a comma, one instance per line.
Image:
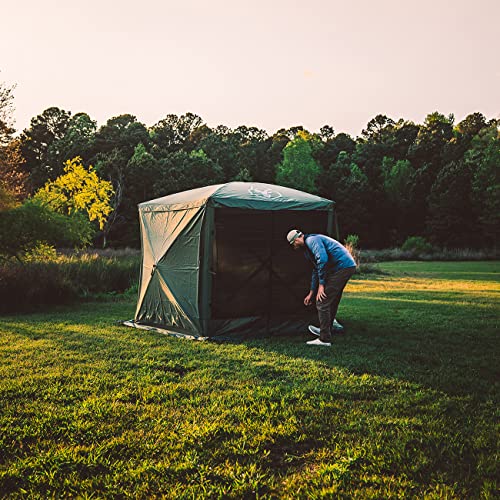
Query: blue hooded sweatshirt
x=325, y=253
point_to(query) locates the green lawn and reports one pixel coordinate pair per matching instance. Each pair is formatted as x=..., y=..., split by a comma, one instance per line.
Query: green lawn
x=404, y=405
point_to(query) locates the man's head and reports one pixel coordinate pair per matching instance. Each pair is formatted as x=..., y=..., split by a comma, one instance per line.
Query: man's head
x=295, y=238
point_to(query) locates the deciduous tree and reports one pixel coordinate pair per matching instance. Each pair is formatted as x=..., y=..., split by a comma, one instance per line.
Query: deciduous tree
x=6, y=110
x=13, y=179
x=44, y=130
x=484, y=161
x=123, y=133
x=451, y=221
x=173, y=133
x=79, y=189
x=299, y=169
x=182, y=171
x=78, y=140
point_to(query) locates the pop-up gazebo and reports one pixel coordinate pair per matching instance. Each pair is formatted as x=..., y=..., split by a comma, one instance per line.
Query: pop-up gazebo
x=215, y=260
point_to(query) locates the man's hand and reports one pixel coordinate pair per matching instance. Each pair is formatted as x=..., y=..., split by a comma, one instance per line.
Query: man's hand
x=308, y=298
x=321, y=295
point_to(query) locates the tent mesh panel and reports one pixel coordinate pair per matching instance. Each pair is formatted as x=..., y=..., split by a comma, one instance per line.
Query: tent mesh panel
x=256, y=271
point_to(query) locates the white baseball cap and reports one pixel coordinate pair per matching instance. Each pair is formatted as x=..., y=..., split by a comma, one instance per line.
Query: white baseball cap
x=293, y=235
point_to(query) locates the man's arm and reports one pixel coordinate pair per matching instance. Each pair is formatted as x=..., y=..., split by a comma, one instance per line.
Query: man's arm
x=319, y=274
x=320, y=258
x=314, y=280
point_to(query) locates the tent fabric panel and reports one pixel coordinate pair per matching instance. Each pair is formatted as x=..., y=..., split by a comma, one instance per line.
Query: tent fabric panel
x=192, y=198
x=163, y=228
x=146, y=265
x=158, y=232
x=149, y=258
x=171, y=332
x=259, y=196
x=180, y=267
x=247, y=195
x=161, y=307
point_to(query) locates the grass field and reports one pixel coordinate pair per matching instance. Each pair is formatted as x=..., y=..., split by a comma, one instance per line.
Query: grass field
x=403, y=405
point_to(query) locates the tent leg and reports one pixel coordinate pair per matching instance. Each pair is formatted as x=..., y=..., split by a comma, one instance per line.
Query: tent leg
x=332, y=224
x=207, y=269
x=270, y=267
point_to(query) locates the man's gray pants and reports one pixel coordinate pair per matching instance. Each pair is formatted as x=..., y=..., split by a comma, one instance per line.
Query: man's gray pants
x=335, y=283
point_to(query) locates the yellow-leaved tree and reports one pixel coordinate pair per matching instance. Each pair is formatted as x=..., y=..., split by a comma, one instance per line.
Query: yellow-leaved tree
x=79, y=189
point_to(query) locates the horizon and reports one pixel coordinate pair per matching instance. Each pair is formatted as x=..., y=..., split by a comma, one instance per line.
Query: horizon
x=270, y=133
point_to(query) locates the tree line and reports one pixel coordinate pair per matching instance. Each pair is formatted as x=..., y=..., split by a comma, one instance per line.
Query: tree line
x=438, y=180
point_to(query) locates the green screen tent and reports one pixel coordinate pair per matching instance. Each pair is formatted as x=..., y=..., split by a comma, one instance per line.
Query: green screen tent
x=216, y=263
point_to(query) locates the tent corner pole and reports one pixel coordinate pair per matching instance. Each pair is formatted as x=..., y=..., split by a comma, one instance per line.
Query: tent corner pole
x=332, y=223
x=207, y=269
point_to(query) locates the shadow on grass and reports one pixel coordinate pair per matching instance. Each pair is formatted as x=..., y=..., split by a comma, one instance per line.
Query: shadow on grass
x=429, y=338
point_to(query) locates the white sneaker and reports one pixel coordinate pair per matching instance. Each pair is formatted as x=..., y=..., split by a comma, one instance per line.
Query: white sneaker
x=318, y=342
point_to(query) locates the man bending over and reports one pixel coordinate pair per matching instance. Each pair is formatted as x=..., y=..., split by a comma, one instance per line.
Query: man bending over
x=333, y=266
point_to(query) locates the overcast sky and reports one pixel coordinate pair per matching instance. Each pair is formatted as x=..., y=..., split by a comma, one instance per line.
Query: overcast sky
x=264, y=63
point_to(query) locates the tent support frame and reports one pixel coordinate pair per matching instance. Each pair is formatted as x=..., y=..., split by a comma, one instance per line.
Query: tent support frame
x=207, y=268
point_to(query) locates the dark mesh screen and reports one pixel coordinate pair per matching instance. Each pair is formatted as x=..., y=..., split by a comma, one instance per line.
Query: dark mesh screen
x=256, y=271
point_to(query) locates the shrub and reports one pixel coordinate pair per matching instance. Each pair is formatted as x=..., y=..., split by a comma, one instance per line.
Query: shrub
x=353, y=240
x=23, y=227
x=41, y=252
x=351, y=243
x=417, y=245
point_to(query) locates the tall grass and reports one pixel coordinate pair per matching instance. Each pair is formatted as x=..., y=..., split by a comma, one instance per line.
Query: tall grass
x=95, y=273
x=31, y=284
x=437, y=254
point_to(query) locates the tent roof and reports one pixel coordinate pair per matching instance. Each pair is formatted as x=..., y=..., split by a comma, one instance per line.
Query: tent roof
x=249, y=195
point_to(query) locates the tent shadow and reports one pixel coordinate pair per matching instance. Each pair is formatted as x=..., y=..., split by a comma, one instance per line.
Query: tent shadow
x=426, y=344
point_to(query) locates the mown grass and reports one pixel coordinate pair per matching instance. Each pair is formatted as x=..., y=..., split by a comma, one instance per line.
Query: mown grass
x=404, y=404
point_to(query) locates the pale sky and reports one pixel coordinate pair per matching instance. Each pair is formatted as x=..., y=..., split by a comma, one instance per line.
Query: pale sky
x=265, y=63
